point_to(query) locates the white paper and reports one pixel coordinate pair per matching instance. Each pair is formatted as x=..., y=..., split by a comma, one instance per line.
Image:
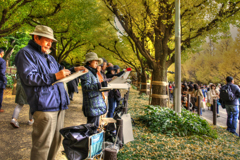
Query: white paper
x=118, y=83
x=121, y=79
x=70, y=77
x=124, y=86
x=127, y=128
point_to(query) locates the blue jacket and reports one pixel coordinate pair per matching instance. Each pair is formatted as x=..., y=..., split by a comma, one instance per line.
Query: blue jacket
x=37, y=73
x=204, y=91
x=93, y=103
x=236, y=92
x=3, y=79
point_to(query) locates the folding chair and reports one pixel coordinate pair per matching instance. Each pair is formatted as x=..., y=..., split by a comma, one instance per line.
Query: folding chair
x=95, y=144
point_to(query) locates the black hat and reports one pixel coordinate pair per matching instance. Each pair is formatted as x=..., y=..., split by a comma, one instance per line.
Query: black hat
x=116, y=67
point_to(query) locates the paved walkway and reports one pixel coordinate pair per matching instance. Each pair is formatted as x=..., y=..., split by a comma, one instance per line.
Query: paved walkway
x=15, y=144
x=221, y=121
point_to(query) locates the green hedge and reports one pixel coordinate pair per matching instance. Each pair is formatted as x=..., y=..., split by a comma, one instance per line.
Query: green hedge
x=167, y=121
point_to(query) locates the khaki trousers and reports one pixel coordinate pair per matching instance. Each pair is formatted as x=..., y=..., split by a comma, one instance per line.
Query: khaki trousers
x=46, y=138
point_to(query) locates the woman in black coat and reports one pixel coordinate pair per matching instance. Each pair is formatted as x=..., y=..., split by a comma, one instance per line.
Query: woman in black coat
x=114, y=95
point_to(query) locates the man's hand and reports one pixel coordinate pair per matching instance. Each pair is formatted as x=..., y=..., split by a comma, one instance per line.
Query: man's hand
x=80, y=68
x=62, y=74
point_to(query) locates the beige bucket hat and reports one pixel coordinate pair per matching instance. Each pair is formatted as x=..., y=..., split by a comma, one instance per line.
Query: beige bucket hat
x=91, y=56
x=44, y=31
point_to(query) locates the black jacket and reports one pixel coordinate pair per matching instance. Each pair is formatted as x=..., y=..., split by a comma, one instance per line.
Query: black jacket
x=114, y=93
x=236, y=92
x=3, y=79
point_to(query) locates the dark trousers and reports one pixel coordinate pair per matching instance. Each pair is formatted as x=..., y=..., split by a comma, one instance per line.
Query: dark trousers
x=94, y=120
x=112, y=103
x=1, y=97
x=71, y=95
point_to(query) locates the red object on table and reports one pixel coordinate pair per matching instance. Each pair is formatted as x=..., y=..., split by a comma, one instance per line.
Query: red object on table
x=129, y=69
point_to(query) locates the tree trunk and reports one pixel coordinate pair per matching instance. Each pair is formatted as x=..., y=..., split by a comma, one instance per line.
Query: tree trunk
x=159, y=74
x=143, y=82
x=7, y=63
x=139, y=81
x=7, y=55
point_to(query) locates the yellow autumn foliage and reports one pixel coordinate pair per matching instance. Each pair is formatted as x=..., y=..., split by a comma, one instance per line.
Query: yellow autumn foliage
x=214, y=63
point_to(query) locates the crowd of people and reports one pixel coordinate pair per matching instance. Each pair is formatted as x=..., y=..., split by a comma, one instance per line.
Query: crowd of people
x=37, y=71
x=209, y=93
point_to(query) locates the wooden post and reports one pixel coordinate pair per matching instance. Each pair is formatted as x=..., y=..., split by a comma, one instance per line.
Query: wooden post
x=150, y=91
x=188, y=101
x=214, y=112
x=124, y=110
x=120, y=132
x=110, y=154
x=199, y=105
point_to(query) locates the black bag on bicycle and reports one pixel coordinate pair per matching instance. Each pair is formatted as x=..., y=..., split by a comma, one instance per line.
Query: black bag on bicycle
x=76, y=139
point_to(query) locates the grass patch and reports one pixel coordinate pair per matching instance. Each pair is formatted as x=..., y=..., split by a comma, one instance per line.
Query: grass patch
x=154, y=145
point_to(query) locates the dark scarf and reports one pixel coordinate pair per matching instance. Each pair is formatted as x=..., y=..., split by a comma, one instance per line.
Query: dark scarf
x=93, y=70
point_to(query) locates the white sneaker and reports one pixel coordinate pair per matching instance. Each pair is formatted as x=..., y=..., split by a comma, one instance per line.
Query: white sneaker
x=30, y=122
x=14, y=123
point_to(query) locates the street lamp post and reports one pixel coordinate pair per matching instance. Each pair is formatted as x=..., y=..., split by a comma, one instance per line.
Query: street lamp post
x=177, y=92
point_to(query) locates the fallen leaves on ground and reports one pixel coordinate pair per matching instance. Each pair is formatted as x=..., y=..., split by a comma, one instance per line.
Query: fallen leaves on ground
x=149, y=145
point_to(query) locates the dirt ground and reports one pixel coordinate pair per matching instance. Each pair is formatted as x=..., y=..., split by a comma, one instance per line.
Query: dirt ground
x=15, y=144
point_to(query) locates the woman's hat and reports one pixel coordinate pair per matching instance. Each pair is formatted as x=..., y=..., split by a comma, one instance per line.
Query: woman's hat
x=109, y=69
x=91, y=56
x=44, y=31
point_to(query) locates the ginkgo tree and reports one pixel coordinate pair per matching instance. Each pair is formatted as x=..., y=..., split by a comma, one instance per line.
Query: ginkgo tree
x=15, y=13
x=150, y=25
x=74, y=26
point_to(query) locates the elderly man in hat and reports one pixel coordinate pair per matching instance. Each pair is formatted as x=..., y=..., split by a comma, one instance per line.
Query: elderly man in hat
x=38, y=71
x=93, y=102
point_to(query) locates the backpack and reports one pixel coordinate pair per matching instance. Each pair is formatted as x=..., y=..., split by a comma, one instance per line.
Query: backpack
x=226, y=94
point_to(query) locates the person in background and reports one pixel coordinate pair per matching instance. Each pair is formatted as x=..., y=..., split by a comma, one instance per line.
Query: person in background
x=117, y=68
x=208, y=98
x=204, y=91
x=20, y=99
x=232, y=107
x=218, y=88
x=104, y=66
x=197, y=93
x=109, y=64
x=3, y=79
x=103, y=73
x=214, y=96
x=72, y=87
x=114, y=95
x=184, y=91
x=93, y=103
x=171, y=91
